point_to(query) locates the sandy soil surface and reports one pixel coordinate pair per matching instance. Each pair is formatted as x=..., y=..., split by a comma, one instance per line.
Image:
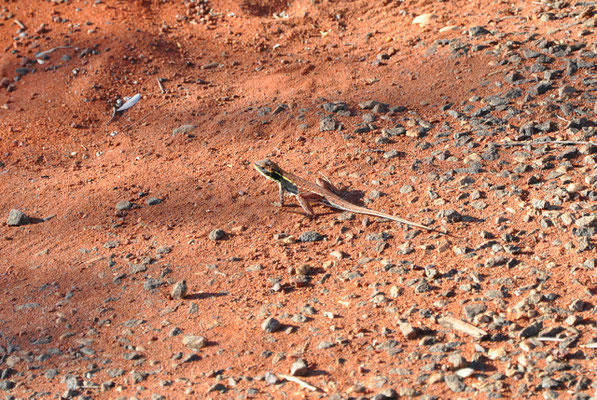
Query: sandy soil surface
x=144, y=257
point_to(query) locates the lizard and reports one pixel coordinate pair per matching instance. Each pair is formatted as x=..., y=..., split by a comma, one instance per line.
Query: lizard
x=321, y=192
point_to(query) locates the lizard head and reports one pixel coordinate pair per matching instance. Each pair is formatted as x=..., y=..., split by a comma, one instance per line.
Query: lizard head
x=269, y=169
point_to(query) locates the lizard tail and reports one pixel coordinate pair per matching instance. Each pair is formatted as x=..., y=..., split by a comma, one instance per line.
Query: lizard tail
x=393, y=218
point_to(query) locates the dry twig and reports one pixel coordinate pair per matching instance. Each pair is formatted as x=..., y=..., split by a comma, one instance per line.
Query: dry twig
x=300, y=382
x=465, y=327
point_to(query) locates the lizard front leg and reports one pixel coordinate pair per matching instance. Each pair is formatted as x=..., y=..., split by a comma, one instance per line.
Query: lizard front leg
x=281, y=193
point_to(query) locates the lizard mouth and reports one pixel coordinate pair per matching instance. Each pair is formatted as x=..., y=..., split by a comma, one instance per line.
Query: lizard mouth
x=267, y=173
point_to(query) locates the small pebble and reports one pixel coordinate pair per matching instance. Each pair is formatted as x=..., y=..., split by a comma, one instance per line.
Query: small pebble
x=179, y=290
x=193, y=342
x=17, y=218
x=299, y=368
x=271, y=378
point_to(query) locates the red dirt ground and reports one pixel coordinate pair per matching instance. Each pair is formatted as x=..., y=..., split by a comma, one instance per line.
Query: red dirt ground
x=60, y=159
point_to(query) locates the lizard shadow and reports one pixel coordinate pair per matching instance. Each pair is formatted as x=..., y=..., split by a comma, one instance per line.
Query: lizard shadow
x=34, y=220
x=353, y=196
x=296, y=209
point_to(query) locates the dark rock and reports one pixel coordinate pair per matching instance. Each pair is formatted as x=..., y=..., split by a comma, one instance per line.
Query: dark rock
x=368, y=105
x=111, y=244
x=263, y=111
x=475, y=31
x=368, y=117
x=571, y=67
x=51, y=373
x=527, y=129
x=381, y=108
x=218, y=387
x=513, y=77
x=529, y=53
x=334, y=107
x=578, y=305
x=217, y=234
x=387, y=394
x=280, y=108
x=310, y=236
x=362, y=128
x=455, y=383
x=540, y=88
x=271, y=325
x=450, y=215
x=138, y=377
x=550, y=383
x=471, y=310
x=152, y=283
x=152, y=201
x=124, y=205
x=496, y=101
x=531, y=330
x=22, y=71
x=396, y=131
x=398, y=109
x=328, y=123
x=496, y=261
x=163, y=250
x=568, y=154
x=457, y=361
x=513, y=93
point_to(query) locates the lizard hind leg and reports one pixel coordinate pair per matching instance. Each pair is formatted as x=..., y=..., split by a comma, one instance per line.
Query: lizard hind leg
x=304, y=203
x=325, y=183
